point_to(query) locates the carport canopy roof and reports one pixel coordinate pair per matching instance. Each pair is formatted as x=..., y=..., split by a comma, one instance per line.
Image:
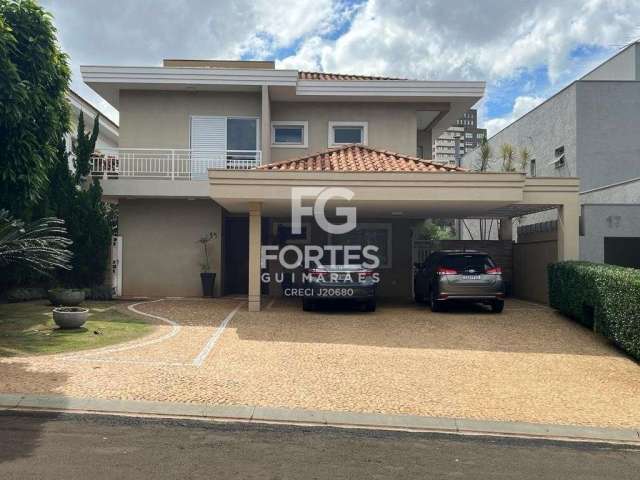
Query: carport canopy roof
x=387, y=184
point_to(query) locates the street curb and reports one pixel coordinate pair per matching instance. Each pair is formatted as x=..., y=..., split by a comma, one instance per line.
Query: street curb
x=272, y=415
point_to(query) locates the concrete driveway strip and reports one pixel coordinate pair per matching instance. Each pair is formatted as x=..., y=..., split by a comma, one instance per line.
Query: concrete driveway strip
x=320, y=418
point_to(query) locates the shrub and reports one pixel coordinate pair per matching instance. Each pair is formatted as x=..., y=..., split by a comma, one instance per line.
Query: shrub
x=603, y=297
x=99, y=293
x=25, y=294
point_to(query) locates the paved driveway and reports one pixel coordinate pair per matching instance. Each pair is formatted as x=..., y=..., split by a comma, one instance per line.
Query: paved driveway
x=527, y=364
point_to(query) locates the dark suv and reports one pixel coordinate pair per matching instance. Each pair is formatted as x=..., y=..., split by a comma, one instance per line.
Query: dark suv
x=459, y=275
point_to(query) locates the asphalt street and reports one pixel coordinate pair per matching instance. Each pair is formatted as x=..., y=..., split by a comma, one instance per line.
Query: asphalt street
x=74, y=446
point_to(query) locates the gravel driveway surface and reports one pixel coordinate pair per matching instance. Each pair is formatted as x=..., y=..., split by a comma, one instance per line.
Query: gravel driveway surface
x=528, y=364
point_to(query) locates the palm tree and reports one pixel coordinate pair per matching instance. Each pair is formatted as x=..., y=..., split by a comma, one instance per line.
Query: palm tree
x=506, y=152
x=40, y=245
x=485, y=155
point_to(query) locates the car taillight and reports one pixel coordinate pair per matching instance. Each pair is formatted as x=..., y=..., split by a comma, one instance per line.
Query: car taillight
x=446, y=271
x=494, y=271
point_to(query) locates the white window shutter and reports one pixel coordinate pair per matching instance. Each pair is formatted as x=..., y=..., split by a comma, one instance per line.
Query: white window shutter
x=208, y=145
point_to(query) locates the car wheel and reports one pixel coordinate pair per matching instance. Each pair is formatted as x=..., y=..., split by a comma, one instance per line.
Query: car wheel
x=307, y=305
x=497, y=306
x=436, y=305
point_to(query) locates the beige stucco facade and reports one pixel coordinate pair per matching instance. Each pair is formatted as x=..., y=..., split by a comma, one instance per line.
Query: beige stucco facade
x=161, y=119
x=161, y=255
x=391, y=126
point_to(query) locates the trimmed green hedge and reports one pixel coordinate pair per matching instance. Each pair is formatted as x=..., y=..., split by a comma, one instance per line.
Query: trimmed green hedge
x=603, y=297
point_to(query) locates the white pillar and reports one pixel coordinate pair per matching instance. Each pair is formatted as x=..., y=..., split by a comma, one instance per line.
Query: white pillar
x=255, y=220
x=568, y=231
x=265, y=126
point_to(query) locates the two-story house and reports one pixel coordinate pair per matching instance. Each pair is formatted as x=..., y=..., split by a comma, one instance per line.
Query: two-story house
x=217, y=146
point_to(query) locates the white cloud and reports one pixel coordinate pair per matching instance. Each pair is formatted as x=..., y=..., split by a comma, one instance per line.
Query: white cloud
x=475, y=40
x=424, y=39
x=143, y=32
x=521, y=105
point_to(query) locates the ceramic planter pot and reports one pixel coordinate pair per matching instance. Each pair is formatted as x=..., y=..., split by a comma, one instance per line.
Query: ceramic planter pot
x=66, y=297
x=208, y=280
x=70, y=317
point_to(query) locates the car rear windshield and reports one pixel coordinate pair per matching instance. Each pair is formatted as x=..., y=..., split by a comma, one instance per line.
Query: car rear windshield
x=463, y=263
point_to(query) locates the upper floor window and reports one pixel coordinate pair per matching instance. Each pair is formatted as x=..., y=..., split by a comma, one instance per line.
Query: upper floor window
x=242, y=134
x=224, y=133
x=289, y=134
x=343, y=133
x=532, y=167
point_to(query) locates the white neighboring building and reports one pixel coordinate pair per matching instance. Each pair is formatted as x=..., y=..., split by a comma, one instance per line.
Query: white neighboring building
x=590, y=129
x=108, y=133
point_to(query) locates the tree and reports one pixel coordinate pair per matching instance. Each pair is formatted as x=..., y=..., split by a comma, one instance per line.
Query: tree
x=84, y=146
x=485, y=155
x=525, y=157
x=34, y=113
x=40, y=245
x=91, y=233
x=80, y=204
x=507, y=154
x=433, y=230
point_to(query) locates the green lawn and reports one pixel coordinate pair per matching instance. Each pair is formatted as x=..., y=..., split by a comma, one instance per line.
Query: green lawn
x=28, y=329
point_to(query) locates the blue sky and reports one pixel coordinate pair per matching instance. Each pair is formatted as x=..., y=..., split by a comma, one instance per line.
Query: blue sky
x=526, y=50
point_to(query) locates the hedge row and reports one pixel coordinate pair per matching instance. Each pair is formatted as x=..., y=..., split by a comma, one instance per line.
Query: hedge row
x=603, y=297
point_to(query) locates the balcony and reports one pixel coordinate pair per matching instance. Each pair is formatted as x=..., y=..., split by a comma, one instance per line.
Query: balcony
x=169, y=164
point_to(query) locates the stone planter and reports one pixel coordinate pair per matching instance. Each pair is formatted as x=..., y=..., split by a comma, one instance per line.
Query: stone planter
x=70, y=317
x=66, y=297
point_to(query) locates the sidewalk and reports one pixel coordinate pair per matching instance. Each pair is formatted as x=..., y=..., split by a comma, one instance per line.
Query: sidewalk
x=319, y=418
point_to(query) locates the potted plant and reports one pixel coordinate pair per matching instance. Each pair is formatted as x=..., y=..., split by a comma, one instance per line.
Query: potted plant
x=70, y=317
x=67, y=297
x=207, y=277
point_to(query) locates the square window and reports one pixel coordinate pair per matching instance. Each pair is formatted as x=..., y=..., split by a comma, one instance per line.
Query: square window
x=343, y=133
x=242, y=134
x=347, y=134
x=289, y=134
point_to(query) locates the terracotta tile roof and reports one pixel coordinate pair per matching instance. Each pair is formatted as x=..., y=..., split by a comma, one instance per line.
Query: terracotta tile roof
x=339, y=76
x=359, y=158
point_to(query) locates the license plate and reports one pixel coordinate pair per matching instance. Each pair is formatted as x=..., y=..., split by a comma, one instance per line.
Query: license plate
x=471, y=277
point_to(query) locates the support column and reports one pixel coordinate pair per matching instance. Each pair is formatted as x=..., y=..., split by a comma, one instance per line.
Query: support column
x=506, y=229
x=265, y=126
x=255, y=220
x=568, y=231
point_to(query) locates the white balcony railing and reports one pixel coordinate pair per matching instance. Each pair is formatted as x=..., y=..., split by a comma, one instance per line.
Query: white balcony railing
x=170, y=164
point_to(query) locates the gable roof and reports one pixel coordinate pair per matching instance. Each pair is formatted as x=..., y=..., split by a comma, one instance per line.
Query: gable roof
x=359, y=158
x=339, y=76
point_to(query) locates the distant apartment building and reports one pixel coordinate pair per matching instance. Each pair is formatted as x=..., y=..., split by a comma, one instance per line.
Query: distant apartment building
x=460, y=138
